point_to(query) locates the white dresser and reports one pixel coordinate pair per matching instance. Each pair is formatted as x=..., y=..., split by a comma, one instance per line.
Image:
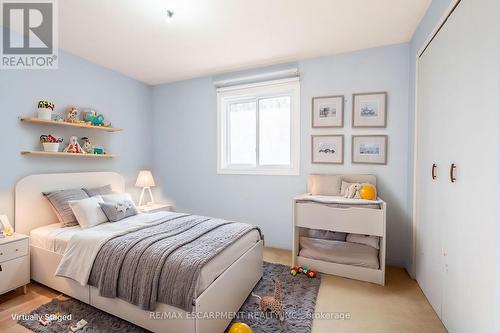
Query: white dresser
x=14, y=262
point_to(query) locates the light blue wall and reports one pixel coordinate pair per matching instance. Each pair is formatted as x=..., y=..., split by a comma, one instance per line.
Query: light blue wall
x=434, y=13
x=184, y=158
x=77, y=82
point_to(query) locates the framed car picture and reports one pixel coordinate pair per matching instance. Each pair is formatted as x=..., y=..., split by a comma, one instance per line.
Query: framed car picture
x=369, y=149
x=327, y=149
x=369, y=110
x=328, y=111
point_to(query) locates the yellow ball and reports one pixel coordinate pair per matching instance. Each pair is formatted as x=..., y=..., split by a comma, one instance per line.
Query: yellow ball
x=368, y=192
x=240, y=328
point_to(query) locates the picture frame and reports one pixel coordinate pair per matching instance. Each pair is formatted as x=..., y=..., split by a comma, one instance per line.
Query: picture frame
x=369, y=110
x=369, y=149
x=327, y=111
x=327, y=149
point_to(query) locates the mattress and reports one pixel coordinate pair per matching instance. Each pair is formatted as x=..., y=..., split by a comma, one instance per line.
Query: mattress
x=339, y=252
x=54, y=238
x=340, y=202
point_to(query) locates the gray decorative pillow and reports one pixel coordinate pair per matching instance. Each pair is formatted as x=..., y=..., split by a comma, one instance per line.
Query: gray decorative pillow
x=59, y=201
x=116, y=211
x=91, y=192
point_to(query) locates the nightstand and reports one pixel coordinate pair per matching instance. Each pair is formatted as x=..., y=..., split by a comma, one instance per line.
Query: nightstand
x=14, y=262
x=156, y=207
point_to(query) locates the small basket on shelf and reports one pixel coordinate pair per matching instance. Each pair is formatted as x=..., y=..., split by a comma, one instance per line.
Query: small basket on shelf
x=50, y=143
x=52, y=147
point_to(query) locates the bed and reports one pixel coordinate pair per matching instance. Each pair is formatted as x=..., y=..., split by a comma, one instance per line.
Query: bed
x=223, y=284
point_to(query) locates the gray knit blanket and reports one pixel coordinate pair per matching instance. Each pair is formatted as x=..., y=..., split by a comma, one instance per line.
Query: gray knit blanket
x=162, y=263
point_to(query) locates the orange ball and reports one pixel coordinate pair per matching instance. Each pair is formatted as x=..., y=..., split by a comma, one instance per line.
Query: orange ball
x=368, y=192
x=240, y=328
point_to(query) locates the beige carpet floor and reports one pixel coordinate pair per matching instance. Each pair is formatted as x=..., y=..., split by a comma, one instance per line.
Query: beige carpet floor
x=399, y=306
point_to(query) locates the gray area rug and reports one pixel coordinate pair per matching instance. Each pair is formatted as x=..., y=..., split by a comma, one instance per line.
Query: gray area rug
x=298, y=296
x=98, y=321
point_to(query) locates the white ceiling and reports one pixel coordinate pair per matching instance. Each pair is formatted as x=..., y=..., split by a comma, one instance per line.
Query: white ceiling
x=214, y=36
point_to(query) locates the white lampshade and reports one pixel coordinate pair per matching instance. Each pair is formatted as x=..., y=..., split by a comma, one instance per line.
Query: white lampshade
x=145, y=179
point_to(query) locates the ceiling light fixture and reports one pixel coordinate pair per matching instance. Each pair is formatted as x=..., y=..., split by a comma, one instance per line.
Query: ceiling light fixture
x=170, y=15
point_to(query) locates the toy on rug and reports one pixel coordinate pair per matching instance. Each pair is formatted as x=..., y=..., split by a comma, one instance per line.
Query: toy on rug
x=74, y=146
x=240, y=328
x=78, y=326
x=49, y=318
x=352, y=191
x=272, y=303
x=294, y=270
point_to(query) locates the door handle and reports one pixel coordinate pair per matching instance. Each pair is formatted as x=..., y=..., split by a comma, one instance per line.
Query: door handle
x=453, y=168
x=433, y=171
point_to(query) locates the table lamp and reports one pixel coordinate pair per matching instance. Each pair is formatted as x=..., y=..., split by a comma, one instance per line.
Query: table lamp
x=146, y=181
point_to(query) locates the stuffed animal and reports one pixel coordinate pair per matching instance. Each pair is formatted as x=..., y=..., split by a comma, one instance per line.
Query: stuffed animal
x=74, y=146
x=351, y=191
x=87, y=145
x=272, y=303
x=72, y=116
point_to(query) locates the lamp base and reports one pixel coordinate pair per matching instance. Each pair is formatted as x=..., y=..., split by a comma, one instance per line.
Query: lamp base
x=150, y=195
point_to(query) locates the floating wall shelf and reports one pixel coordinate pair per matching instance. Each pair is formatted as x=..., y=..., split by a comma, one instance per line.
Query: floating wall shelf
x=61, y=154
x=63, y=123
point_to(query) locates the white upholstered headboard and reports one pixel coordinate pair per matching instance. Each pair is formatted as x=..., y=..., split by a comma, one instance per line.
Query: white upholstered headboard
x=33, y=210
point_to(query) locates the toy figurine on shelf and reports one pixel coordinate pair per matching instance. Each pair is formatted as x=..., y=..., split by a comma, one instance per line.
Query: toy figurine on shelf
x=72, y=116
x=87, y=145
x=93, y=118
x=74, y=147
x=98, y=151
x=59, y=118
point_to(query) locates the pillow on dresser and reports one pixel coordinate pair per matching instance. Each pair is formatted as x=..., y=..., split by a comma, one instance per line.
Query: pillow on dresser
x=59, y=202
x=324, y=184
x=372, y=241
x=116, y=211
x=88, y=212
x=98, y=190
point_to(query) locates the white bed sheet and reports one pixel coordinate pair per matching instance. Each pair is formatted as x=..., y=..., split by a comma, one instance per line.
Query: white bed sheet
x=54, y=238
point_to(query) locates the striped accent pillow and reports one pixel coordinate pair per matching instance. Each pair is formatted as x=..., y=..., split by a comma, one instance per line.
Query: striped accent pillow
x=98, y=190
x=59, y=201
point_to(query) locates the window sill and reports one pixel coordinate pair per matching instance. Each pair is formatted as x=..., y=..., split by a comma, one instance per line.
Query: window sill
x=261, y=172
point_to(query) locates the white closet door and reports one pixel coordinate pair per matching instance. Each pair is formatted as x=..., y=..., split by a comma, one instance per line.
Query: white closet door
x=429, y=261
x=470, y=71
x=460, y=86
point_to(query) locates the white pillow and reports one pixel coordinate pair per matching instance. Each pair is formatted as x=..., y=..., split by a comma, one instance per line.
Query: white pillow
x=118, y=197
x=87, y=211
x=372, y=241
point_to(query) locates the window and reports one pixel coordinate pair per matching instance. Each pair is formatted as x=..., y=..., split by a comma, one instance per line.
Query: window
x=259, y=128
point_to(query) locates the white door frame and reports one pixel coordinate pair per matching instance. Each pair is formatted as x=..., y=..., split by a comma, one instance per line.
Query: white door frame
x=429, y=38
